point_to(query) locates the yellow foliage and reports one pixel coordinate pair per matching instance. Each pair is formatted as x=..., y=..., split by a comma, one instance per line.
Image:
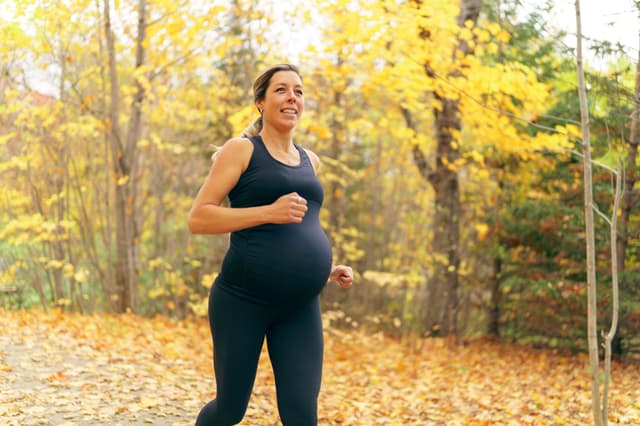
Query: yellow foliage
x=54, y=264
x=208, y=279
x=8, y=274
x=503, y=36
x=68, y=270
x=157, y=292
x=123, y=180
x=7, y=137
x=322, y=132
x=81, y=276
x=159, y=263
x=242, y=118
x=384, y=279
x=482, y=229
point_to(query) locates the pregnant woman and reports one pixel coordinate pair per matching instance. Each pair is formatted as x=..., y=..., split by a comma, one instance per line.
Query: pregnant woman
x=278, y=260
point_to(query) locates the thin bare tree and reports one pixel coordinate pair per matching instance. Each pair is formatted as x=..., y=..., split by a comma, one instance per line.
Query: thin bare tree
x=124, y=157
x=599, y=407
x=589, y=225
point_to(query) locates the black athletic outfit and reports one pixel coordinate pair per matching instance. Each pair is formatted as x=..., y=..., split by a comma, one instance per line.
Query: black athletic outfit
x=268, y=286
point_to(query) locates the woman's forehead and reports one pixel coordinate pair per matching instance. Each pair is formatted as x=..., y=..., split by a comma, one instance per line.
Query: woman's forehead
x=290, y=78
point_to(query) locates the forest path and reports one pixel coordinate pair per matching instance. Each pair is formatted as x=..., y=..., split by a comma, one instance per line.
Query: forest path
x=60, y=369
x=51, y=377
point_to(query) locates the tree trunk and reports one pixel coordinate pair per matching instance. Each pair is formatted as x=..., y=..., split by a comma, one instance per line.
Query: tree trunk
x=441, y=312
x=336, y=189
x=615, y=299
x=629, y=202
x=494, y=313
x=498, y=278
x=590, y=233
x=59, y=182
x=630, y=178
x=108, y=280
x=443, y=288
x=124, y=158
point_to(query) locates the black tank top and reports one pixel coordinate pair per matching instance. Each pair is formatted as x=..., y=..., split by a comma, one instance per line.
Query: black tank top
x=277, y=263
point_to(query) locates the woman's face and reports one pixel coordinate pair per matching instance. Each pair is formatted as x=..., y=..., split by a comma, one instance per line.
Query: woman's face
x=283, y=103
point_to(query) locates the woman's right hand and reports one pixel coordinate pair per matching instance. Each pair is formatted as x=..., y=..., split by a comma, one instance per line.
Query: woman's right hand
x=289, y=208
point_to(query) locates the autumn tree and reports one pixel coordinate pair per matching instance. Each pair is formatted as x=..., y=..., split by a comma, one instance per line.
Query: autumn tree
x=460, y=90
x=631, y=169
x=629, y=205
x=124, y=160
x=443, y=289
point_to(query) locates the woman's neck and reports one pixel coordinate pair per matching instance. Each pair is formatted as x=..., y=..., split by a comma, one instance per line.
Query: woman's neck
x=279, y=140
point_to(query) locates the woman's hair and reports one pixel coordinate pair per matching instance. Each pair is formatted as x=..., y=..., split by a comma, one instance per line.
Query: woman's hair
x=260, y=86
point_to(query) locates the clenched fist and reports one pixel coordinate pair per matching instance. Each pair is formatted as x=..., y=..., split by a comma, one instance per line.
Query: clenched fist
x=343, y=275
x=290, y=208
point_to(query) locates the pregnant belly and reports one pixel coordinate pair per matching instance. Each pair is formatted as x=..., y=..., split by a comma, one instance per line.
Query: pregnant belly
x=283, y=264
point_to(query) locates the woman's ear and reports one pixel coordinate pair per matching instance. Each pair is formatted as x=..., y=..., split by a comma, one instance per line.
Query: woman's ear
x=259, y=106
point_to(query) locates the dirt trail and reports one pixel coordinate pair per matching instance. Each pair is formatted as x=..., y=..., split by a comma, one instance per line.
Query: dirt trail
x=51, y=378
x=62, y=369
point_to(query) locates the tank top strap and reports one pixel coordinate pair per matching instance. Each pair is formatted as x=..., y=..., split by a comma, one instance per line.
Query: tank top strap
x=304, y=158
x=257, y=143
x=260, y=154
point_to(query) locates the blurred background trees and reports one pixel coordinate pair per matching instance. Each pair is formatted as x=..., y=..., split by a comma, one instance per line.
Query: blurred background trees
x=446, y=133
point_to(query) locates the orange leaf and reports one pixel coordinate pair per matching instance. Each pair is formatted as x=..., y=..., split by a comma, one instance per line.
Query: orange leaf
x=59, y=376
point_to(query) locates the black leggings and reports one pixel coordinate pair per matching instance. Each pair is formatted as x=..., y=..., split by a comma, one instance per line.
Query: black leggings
x=295, y=344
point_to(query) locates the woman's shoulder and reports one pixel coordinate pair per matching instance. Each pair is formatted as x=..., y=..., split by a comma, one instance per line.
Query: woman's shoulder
x=238, y=146
x=236, y=150
x=239, y=143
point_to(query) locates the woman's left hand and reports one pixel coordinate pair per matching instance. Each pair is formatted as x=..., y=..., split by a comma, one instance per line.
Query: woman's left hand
x=343, y=275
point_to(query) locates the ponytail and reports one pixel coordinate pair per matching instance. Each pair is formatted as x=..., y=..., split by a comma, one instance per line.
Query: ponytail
x=252, y=129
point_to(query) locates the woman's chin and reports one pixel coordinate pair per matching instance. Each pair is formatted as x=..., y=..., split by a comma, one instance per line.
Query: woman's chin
x=286, y=126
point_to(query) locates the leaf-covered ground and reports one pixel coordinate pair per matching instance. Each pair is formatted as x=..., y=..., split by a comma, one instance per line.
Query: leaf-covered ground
x=67, y=369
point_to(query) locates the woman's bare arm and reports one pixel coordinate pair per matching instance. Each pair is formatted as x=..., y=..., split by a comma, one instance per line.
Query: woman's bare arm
x=207, y=216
